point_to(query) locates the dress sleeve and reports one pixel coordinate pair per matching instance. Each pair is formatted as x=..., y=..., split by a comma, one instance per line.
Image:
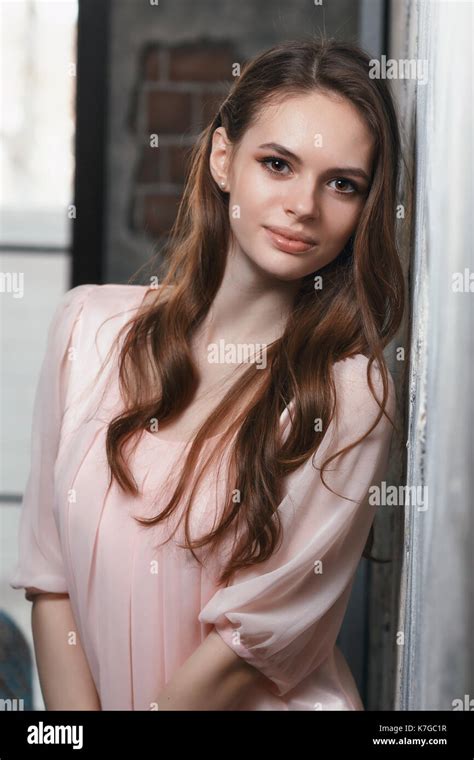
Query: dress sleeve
x=40, y=562
x=283, y=615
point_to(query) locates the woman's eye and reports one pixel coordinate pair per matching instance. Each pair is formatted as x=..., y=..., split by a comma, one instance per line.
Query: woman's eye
x=275, y=165
x=268, y=161
x=346, y=182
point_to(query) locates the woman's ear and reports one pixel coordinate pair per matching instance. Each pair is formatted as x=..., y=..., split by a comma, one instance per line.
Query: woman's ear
x=219, y=158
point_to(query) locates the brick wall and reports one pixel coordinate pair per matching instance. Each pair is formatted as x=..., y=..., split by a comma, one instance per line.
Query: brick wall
x=169, y=66
x=178, y=90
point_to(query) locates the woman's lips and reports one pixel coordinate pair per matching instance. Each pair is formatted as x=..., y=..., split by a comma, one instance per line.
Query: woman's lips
x=288, y=245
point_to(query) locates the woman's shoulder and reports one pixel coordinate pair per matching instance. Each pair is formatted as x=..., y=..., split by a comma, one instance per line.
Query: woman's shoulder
x=353, y=372
x=88, y=318
x=355, y=399
x=87, y=307
x=87, y=322
x=109, y=298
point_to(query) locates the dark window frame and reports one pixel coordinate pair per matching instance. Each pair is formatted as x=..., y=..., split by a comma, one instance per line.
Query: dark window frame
x=90, y=199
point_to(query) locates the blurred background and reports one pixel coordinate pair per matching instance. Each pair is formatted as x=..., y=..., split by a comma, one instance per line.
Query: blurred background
x=85, y=198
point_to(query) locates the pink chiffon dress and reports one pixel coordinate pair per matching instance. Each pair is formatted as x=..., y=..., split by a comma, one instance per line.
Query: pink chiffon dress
x=141, y=602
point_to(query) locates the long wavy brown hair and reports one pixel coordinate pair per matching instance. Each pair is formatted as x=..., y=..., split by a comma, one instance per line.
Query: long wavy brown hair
x=358, y=310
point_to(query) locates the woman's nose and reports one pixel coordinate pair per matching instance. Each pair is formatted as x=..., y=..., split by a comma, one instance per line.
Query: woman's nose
x=303, y=200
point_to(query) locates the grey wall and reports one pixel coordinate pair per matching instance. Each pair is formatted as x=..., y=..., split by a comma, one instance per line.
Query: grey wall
x=435, y=653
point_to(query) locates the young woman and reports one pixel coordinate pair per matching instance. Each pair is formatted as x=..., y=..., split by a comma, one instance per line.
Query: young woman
x=195, y=514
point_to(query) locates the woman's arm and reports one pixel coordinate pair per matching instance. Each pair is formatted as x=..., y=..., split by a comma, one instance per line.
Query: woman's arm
x=213, y=678
x=65, y=678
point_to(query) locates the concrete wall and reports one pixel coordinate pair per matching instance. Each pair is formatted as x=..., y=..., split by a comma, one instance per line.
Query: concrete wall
x=434, y=638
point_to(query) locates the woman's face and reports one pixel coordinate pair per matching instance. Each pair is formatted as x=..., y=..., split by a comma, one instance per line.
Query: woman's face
x=318, y=192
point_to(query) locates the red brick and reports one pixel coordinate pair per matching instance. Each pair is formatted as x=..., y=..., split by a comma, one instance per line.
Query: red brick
x=209, y=104
x=168, y=112
x=135, y=214
x=201, y=62
x=151, y=64
x=159, y=213
x=149, y=165
x=178, y=160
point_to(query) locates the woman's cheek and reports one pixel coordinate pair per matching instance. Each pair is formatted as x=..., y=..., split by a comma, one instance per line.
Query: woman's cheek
x=343, y=223
x=245, y=207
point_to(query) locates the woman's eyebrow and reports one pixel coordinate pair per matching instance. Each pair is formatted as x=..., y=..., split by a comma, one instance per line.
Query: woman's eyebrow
x=354, y=170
